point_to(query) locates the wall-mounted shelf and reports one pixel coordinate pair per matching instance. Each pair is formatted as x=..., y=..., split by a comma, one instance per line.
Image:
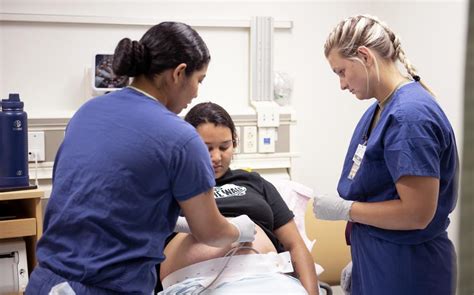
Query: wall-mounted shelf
x=263, y=161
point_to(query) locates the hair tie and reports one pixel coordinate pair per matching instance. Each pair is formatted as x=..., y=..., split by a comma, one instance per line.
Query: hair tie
x=416, y=78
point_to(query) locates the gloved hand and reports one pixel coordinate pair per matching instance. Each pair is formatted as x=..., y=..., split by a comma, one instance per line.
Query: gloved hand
x=330, y=207
x=346, y=278
x=246, y=228
x=62, y=289
x=182, y=226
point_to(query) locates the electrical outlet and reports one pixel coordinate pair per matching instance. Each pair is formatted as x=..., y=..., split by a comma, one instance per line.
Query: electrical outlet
x=250, y=139
x=36, y=146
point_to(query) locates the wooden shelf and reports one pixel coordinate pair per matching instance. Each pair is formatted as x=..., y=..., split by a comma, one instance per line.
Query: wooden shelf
x=23, y=194
x=17, y=228
x=27, y=220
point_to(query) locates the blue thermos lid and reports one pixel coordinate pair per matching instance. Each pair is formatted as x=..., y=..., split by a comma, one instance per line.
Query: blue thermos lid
x=13, y=102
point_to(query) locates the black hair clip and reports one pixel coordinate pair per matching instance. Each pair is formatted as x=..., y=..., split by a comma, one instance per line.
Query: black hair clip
x=416, y=78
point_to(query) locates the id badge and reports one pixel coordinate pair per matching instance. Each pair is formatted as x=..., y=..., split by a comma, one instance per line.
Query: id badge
x=357, y=160
x=353, y=172
x=359, y=154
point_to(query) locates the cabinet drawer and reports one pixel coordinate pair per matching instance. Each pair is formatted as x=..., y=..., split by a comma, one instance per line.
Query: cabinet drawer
x=17, y=228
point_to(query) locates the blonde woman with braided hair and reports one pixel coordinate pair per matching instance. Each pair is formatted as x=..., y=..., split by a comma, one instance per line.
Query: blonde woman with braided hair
x=399, y=180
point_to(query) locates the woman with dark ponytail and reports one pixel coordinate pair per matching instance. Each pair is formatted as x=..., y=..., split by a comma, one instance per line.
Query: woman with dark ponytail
x=126, y=168
x=399, y=180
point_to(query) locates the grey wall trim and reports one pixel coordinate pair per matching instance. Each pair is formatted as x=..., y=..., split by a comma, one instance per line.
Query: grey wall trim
x=54, y=129
x=48, y=123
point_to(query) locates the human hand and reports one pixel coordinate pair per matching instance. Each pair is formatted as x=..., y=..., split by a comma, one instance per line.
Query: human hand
x=182, y=226
x=246, y=228
x=330, y=207
x=346, y=278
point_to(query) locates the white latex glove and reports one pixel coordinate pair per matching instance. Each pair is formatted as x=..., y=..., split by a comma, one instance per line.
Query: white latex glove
x=246, y=228
x=182, y=226
x=62, y=289
x=346, y=278
x=330, y=207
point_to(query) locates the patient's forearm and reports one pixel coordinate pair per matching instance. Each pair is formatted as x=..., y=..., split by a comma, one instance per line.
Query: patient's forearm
x=303, y=263
x=304, y=268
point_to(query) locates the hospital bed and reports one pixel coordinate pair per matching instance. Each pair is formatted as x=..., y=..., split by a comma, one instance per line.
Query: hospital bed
x=325, y=240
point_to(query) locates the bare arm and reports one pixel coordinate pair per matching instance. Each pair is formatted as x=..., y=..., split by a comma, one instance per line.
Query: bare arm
x=414, y=210
x=303, y=262
x=207, y=224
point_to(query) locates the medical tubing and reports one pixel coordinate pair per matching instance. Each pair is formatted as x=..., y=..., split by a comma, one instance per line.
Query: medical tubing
x=36, y=168
x=231, y=252
x=34, y=154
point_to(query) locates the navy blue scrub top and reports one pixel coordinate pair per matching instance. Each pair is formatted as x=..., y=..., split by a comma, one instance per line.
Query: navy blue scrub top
x=124, y=164
x=413, y=137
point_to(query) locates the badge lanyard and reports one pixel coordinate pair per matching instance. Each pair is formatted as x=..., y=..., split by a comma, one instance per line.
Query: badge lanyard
x=361, y=147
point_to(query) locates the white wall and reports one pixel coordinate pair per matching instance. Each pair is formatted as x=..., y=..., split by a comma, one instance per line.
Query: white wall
x=46, y=62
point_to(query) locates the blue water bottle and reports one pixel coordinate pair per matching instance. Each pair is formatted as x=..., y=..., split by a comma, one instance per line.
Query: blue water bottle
x=13, y=143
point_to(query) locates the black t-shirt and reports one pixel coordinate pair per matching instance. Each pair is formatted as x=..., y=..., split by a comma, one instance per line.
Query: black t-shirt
x=240, y=192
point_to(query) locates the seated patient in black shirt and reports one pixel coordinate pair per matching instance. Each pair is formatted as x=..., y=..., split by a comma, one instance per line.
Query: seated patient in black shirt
x=240, y=192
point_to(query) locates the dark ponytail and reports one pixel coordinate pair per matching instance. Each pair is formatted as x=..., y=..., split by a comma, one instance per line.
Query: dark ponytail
x=162, y=47
x=130, y=58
